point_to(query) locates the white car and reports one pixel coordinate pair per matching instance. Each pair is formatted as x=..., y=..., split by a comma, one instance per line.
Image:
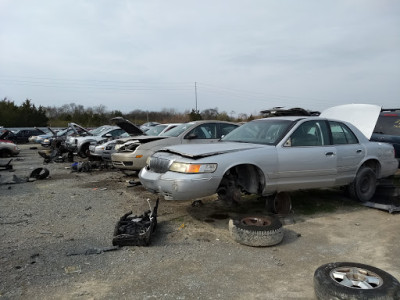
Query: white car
x=80, y=144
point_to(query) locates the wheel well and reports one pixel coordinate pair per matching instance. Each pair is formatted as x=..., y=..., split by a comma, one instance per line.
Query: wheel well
x=5, y=152
x=374, y=165
x=248, y=177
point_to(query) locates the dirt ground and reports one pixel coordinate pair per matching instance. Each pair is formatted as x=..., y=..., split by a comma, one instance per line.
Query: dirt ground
x=48, y=225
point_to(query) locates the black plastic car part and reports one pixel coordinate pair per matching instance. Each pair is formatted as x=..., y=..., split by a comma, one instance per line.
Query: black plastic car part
x=133, y=230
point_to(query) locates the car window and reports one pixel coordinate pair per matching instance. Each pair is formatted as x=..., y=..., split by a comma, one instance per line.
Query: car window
x=178, y=130
x=341, y=134
x=388, y=124
x=155, y=130
x=310, y=133
x=116, y=132
x=224, y=129
x=99, y=130
x=204, y=131
x=265, y=131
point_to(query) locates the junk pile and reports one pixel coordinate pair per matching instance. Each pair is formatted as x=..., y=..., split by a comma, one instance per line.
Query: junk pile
x=89, y=166
x=36, y=174
x=133, y=230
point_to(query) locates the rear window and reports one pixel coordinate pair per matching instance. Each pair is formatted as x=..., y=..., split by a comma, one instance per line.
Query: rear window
x=388, y=124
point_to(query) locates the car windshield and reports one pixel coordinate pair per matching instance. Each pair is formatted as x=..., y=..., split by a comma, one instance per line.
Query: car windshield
x=264, y=131
x=99, y=130
x=174, y=132
x=155, y=130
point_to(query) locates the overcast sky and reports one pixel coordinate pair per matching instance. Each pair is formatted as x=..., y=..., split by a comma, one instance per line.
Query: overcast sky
x=244, y=56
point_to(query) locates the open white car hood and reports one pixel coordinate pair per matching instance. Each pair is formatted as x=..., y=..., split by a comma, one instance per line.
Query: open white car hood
x=363, y=116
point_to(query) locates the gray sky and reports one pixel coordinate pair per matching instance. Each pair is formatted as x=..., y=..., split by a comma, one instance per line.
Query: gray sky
x=245, y=56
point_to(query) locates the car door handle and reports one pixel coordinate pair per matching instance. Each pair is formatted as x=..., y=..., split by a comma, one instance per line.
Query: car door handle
x=329, y=153
x=359, y=151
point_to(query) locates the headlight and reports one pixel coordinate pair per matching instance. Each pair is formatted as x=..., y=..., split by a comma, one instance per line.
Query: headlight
x=46, y=141
x=192, y=168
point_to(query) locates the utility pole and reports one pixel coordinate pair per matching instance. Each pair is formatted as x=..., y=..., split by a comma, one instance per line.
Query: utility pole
x=195, y=93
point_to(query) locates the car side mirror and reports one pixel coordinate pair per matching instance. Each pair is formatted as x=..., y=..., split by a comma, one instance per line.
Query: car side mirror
x=288, y=143
x=191, y=136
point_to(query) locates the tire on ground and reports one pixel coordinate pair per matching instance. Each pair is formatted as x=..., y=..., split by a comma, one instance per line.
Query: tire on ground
x=256, y=231
x=364, y=185
x=349, y=280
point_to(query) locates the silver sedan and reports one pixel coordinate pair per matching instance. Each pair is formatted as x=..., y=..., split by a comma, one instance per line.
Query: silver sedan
x=272, y=155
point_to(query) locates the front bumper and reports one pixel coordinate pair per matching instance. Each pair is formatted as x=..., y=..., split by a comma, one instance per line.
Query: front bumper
x=129, y=160
x=179, y=186
x=95, y=152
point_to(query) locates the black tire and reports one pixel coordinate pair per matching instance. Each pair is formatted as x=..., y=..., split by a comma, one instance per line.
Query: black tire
x=349, y=280
x=5, y=153
x=40, y=173
x=84, y=152
x=256, y=231
x=364, y=185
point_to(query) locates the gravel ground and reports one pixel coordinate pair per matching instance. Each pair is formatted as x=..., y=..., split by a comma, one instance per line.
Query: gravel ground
x=192, y=255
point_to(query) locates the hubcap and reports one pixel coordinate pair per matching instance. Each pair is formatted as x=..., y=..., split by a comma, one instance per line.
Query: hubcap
x=356, y=278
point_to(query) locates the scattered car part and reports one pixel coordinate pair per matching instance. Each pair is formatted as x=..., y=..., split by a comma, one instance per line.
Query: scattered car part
x=257, y=231
x=280, y=111
x=387, y=195
x=133, y=230
x=93, y=251
x=40, y=173
x=7, y=166
x=349, y=280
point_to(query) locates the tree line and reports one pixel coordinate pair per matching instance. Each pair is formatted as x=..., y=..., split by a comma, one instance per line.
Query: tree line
x=29, y=115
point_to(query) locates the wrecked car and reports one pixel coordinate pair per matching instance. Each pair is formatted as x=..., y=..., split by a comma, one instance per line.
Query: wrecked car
x=80, y=144
x=273, y=155
x=8, y=148
x=108, y=148
x=22, y=136
x=133, y=154
x=161, y=128
x=96, y=149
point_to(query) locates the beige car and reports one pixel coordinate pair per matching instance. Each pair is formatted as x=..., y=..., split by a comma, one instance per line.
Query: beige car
x=133, y=154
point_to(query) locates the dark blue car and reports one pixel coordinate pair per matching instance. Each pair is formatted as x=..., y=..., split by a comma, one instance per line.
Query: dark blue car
x=387, y=129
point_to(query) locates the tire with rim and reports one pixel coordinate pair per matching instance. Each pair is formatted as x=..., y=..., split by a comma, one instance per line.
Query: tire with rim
x=364, y=185
x=256, y=231
x=349, y=280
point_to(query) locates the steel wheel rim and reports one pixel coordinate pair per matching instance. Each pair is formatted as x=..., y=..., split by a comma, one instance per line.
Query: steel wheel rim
x=356, y=278
x=255, y=221
x=365, y=184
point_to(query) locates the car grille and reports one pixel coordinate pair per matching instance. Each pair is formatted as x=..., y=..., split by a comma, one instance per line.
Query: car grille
x=159, y=165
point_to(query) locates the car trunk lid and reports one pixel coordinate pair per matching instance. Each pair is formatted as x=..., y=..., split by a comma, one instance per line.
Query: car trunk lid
x=363, y=116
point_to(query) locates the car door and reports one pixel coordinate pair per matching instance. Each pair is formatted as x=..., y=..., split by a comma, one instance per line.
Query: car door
x=306, y=159
x=349, y=152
